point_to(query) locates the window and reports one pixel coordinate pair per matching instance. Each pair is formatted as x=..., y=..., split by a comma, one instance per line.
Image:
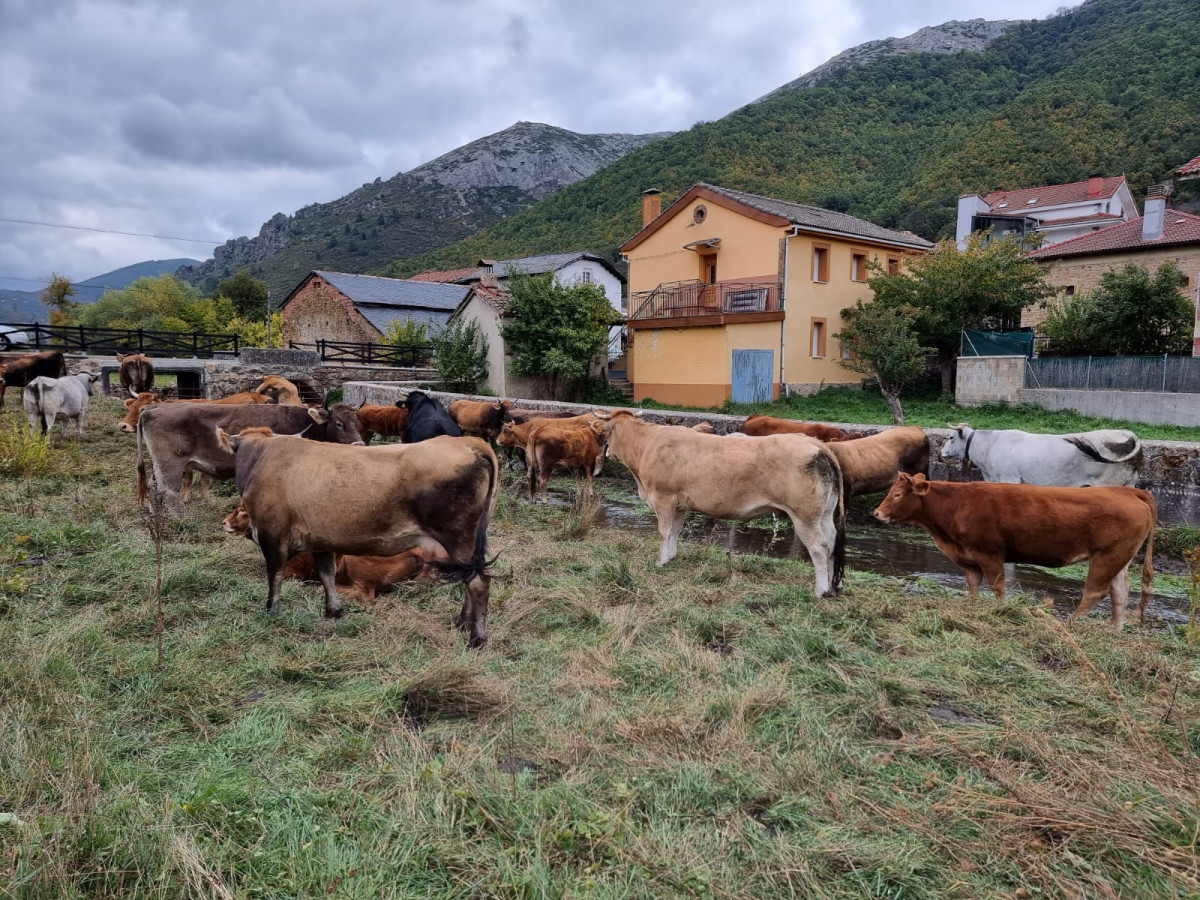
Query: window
x=846, y=352
x=820, y=263
x=818, y=338
x=858, y=267
x=585, y=277
x=893, y=266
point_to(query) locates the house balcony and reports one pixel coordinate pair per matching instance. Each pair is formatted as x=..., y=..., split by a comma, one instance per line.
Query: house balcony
x=679, y=304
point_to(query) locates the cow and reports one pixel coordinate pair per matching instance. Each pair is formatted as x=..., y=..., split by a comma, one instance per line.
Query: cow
x=758, y=426
x=135, y=372
x=577, y=448
x=480, y=418
x=135, y=405
x=278, y=389
x=177, y=437
x=1110, y=457
x=677, y=470
x=982, y=526
x=427, y=418
x=364, y=576
x=704, y=428
x=524, y=417
x=22, y=370
x=371, y=501
x=871, y=464
x=385, y=421
x=515, y=436
x=48, y=398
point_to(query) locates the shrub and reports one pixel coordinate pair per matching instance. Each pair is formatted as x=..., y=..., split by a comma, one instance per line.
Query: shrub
x=460, y=354
x=26, y=451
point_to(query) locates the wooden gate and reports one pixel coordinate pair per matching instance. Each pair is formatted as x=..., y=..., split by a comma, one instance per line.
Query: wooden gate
x=752, y=376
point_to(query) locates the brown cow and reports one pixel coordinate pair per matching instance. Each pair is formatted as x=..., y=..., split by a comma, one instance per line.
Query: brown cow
x=136, y=373
x=872, y=463
x=981, y=526
x=22, y=370
x=372, y=501
x=182, y=436
x=577, y=448
x=520, y=416
x=479, y=418
x=677, y=470
x=758, y=426
x=135, y=405
x=385, y=421
x=278, y=389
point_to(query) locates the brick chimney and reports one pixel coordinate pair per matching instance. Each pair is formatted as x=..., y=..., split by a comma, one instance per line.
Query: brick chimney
x=489, y=279
x=1155, y=213
x=1095, y=185
x=651, y=205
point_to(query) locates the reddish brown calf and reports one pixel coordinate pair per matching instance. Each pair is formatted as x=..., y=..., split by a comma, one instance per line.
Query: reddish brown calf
x=386, y=421
x=760, y=426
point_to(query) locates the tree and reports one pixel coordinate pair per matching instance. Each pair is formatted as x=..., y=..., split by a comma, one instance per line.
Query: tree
x=249, y=294
x=883, y=343
x=57, y=296
x=406, y=333
x=1130, y=313
x=987, y=285
x=461, y=355
x=555, y=331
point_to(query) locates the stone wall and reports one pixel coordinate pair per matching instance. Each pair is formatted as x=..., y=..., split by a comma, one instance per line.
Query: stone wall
x=989, y=379
x=319, y=311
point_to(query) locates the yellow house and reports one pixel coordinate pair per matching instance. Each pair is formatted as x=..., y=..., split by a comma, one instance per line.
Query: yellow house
x=737, y=296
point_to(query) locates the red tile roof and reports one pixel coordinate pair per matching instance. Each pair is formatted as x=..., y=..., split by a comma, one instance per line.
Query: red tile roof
x=1179, y=228
x=446, y=276
x=497, y=298
x=1190, y=168
x=1055, y=194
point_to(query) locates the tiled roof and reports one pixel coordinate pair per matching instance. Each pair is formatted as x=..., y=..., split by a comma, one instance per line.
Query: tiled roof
x=397, y=291
x=1190, y=168
x=447, y=276
x=1178, y=228
x=1053, y=195
x=824, y=219
x=1108, y=218
x=382, y=316
x=497, y=298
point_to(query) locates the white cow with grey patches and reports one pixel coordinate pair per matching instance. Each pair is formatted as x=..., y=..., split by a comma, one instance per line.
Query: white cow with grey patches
x=1110, y=457
x=48, y=398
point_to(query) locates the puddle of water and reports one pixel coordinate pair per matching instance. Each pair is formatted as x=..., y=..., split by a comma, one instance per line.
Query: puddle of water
x=897, y=550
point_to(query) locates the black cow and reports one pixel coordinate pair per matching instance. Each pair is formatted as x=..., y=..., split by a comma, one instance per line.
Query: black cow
x=22, y=370
x=426, y=418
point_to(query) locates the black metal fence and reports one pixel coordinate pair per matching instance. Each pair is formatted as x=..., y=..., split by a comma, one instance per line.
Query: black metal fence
x=695, y=298
x=78, y=339
x=406, y=356
x=1172, y=374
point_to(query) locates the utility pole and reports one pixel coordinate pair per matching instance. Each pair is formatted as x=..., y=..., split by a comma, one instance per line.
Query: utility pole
x=268, y=318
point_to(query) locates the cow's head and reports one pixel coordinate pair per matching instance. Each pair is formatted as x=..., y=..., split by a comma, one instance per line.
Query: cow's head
x=502, y=406
x=134, y=407
x=340, y=421
x=238, y=521
x=89, y=380
x=956, y=446
x=278, y=389
x=508, y=436
x=704, y=428
x=905, y=499
x=597, y=428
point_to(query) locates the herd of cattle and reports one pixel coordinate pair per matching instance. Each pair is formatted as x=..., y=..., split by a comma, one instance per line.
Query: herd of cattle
x=324, y=506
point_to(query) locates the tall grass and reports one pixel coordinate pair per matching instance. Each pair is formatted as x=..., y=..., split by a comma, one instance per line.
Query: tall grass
x=25, y=451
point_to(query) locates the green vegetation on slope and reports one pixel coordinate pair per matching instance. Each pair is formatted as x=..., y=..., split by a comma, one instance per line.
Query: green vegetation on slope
x=1111, y=87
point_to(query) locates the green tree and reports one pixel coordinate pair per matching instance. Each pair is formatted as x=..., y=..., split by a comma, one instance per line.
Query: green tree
x=253, y=332
x=249, y=294
x=157, y=304
x=406, y=333
x=987, y=285
x=57, y=297
x=555, y=331
x=883, y=344
x=461, y=355
x=1131, y=313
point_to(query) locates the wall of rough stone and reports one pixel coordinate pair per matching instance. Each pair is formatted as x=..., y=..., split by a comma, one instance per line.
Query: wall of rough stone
x=319, y=311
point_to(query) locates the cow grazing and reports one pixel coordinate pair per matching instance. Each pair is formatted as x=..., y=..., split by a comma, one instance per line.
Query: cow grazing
x=136, y=373
x=577, y=448
x=480, y=418
x=386, y=421
x=677, y=469
x=759, y=426
x=427, y=418
x=48, y=398
x=277, y=389
x=177, y=437
x=1106, y=458
x=704, y=428
x=22, y=370
x=436, y=495
x=982, y=526
x=871, y=464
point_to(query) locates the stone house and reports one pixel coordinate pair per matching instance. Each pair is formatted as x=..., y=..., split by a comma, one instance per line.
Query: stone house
x=335, y=306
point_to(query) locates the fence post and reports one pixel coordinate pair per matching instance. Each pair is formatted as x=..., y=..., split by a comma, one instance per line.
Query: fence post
x=1164, y=381
x=236, y=350
x=1088, y=382
x=141, y=343
x=195, y=347
x=369, y=348
x=37, y=336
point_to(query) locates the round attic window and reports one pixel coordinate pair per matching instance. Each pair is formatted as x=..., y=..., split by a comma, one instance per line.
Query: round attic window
x=699, y=214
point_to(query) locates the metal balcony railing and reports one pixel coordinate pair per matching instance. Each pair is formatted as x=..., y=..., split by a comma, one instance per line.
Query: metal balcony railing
x=678, y=299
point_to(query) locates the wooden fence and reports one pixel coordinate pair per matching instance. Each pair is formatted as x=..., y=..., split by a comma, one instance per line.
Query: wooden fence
x=406, y=356
x=79, y=339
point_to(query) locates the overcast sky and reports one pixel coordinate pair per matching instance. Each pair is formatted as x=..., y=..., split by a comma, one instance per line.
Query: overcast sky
x=201, y=120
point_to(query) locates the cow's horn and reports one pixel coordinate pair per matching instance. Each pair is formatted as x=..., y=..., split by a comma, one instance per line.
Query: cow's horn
x=601, y=414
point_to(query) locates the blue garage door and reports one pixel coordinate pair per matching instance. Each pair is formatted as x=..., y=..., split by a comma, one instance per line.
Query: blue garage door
x=752, y=374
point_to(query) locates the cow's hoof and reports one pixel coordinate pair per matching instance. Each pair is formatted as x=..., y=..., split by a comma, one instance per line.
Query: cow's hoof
x=476, y=642
x=333, y=613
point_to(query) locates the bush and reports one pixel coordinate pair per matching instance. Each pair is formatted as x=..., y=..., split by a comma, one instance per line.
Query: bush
x=460, y=354
x=26, y=451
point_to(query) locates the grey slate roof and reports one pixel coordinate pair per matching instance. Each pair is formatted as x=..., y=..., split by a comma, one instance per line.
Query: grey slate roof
x=824, y=219
x=549, y=262
x=382, y=316
x=397, y=291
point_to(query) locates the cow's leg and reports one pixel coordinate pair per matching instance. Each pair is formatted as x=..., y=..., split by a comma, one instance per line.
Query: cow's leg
x=993, y=573
x=974, y=579
x=276, y=559
x=820, y=551
x=475, y=607
x=205, y=485
x=531, y=477
x=1119, y=591
x=185, y=487
x=326, y=568
x=670, y=526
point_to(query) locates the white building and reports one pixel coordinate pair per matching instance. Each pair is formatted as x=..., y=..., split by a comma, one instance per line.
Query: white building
x=1059, y=212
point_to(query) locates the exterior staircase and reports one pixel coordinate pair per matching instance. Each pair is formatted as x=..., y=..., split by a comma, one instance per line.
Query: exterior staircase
x=617, y=370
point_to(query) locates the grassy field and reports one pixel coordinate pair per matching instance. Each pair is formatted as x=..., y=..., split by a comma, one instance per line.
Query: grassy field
x=932, y=410
x=707, y=730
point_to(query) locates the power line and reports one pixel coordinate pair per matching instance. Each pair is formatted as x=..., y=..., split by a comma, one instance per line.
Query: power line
x=161, y=237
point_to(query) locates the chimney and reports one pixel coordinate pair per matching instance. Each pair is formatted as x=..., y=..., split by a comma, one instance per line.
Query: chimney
x=489, y=279
x=1155, y=213
x=1095, y=185
x=651, y=205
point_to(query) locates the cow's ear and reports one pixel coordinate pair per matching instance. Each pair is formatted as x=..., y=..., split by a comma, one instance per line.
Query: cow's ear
x=128, y=402
x=905, y=477
x=318, y=415
x=597, y=426
x=920, y=486
x=227, y=442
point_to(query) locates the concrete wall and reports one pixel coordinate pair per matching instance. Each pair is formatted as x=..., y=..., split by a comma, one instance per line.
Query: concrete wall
x=989, y=379
x=1151, y=407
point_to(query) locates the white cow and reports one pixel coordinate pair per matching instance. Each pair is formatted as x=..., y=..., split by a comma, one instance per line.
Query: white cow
x=1110, y=457
x=48, y=398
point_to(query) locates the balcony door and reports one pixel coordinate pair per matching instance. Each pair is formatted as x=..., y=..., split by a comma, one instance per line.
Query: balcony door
x=710, y=295
x=753, y=372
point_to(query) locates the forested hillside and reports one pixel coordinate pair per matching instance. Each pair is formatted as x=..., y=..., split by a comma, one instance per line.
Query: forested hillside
x=1111, y=87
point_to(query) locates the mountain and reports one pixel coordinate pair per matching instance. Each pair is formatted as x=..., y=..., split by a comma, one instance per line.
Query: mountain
x=1110, y=87
x=26, y=306
x=437, y=203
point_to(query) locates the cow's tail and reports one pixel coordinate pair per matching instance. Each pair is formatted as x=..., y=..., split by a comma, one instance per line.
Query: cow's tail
x=466, y=570
x=36, y=384
x=839, y=543
x=1148, y=560
x=142, y=487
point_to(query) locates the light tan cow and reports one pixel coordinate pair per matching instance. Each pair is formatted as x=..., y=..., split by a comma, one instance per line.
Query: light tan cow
x=677, y=470
x=278, y=389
